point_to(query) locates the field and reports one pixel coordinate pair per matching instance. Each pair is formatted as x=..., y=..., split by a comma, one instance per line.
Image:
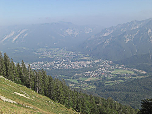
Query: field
x=120, y=71
x=113, y=77
x=91, y=79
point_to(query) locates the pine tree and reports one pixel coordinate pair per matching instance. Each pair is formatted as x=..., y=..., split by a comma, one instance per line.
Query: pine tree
x=93, y=105
x=57, y=90
x=74, y=99
x=1, y=64
x=12, y=72
x=85, y=105
x=36, y=81
x=50, y=87
x=6, y=65
x=45, y=82
x=18, y=74
x=146, y=106
x=24, y=76
x=30, y=79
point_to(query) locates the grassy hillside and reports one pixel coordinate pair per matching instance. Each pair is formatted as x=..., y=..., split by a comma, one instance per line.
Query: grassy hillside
x=15, y=98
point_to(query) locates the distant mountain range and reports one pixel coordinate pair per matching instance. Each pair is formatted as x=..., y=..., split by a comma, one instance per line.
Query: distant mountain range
x=121, y=41
x=115, y=43
x=61, y=34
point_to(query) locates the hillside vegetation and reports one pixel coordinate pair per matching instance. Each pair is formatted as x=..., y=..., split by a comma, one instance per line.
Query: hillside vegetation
x=15, y=98
x=130, y=92
x=55, y=89
x=142, y=61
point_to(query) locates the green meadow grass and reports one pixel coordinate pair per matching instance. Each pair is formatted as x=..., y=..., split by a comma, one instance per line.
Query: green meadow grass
x=27, y=101
x=120, y=71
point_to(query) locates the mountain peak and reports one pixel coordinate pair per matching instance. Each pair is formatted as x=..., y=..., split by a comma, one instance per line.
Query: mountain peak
x=121, y=41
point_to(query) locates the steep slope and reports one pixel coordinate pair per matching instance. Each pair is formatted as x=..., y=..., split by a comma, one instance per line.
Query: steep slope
x=121, y=41
x=15, y=98
x=55, y=89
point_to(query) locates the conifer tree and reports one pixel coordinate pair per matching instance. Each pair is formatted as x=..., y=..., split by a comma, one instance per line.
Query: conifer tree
x=36, y=81
x=6, y=65
x=1, y=64
x=30, y=79
x=146, y=106
x=44, y=80
x=12, y=72
x=93, y=105
x=85, y=105
x=50, y=87
x=24, y=76
x=17, y=74
x=74, y=99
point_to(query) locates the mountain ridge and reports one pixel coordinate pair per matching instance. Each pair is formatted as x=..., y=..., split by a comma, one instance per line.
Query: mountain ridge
x=121, y=41
x=47, y=34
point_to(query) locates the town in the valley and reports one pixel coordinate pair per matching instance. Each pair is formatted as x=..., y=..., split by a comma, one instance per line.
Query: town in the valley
x=89, y=69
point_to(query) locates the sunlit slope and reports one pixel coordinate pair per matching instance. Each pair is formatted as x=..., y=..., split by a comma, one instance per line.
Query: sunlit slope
x=15, y=98
x=121, y=41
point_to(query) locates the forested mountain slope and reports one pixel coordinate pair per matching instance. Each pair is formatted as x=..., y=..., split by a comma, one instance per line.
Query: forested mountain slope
x=131, y=92
x=57, y=90
x=121, y=41
x=142, y=62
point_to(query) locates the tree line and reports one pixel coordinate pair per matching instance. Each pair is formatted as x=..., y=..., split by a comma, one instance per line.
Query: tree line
x=58, y=91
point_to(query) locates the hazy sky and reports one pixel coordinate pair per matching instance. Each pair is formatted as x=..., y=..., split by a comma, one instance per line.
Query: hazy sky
x=102, y=12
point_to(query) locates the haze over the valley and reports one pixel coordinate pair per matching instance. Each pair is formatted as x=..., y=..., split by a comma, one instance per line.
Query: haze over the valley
x=102, y=47
x=82, y=12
